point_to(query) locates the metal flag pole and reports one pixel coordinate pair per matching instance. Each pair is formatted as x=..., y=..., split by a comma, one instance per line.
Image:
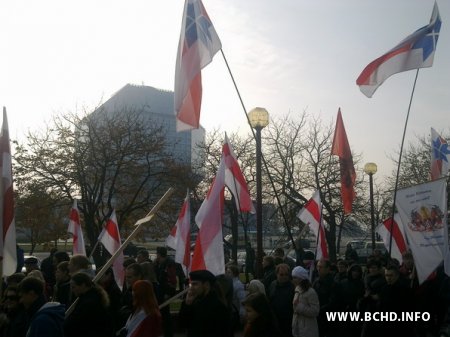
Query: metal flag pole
x=283, y=214
x=399, y=162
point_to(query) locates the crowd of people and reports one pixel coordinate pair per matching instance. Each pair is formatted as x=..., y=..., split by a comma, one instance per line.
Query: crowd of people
x=293, y=298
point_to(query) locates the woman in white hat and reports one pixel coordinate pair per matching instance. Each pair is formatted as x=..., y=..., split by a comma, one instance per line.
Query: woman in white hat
x=306, y=305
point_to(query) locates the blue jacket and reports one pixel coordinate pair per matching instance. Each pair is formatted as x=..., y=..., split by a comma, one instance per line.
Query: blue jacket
x=48, y=321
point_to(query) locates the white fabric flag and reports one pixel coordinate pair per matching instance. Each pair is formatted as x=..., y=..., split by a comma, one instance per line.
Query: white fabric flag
x=423, y=211
x=110, y=238
x=399, y=245
x=208, y=252
x=310, y=214
x=179, y=238
x=75, y=230
x=8, y=252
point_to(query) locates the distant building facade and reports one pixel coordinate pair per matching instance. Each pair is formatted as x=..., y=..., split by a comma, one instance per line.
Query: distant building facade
x=157, y=105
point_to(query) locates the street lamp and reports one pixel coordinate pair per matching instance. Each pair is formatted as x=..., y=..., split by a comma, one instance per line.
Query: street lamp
x=371, y=169
x=259, y=119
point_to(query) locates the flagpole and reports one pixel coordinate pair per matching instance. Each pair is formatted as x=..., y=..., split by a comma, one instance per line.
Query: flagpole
x=138, y=227
x=283, y=214
x=400, y=160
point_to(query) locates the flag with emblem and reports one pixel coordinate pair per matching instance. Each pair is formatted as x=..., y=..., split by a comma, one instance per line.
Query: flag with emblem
x=198, y=44
x=414, y=52
x=439, y=156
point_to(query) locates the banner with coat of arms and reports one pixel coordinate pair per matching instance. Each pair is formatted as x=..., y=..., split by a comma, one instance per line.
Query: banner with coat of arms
x=423, y=211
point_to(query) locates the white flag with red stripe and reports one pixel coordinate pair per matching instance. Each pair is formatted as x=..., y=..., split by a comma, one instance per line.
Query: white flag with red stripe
x=234, y=179
x=310, y=214
x=7, y=224
x=110, y=238
x=208, y=252
x=179, y=238
x=198, y=44
x=399, y=245
x=75, y=230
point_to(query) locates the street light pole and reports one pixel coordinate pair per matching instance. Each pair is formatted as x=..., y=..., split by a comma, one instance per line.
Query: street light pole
x=371, y=169
x=259, y=118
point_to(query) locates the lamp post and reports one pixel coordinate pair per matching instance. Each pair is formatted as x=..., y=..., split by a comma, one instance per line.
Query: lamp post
x=371, y=169
x=259, y=119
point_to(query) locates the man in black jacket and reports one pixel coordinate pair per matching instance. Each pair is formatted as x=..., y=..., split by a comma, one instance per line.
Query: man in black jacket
x=203, y=314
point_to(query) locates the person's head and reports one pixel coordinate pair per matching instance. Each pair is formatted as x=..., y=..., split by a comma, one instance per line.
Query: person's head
x=15, y=279
x=78, y=262
x=391, y=274
x=201, y=283
x=142, y=256
x=148, y=271
x=257, y=305
x=133, y=273
x=268, y=261
x=283, y=273
x=31, y=263
x=373, y=267
x=232, y=270
x=355, y=272
x=256, y=286
x=408, y=260
x=349, y=245
x=144, y=297
x=128, y=261
x=37, y=274
x=161, y=253
x=323, y=267
x=278, y=252
x=62, y=272
x=59, y=257
x=30, y=289
x=53, y=250
x=11, y=298
x=80, y=283
x=300, y=277
x=342, y=266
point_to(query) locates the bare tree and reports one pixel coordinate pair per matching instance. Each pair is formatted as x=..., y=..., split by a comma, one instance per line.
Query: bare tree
x=119, y=160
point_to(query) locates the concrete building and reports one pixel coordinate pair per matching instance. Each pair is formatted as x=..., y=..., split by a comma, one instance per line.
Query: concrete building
x=157, y=104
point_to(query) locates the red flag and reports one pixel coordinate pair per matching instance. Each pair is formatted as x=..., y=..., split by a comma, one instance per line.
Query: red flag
x=75, y=230
x=234, y=179
x=110, y=238
x=198, y=44
x=342, y=149
x=208, y=252
x=311, y=215
x=8, y=253
x=180, y=236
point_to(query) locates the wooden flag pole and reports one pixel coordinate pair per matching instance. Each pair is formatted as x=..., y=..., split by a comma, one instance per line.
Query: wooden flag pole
x=138, y=226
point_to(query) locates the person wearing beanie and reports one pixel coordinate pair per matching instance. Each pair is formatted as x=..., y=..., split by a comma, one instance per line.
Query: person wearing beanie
x=306, y=305
x=202, y=313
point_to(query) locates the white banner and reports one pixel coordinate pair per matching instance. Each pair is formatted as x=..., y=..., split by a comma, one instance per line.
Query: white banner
x=423, y=211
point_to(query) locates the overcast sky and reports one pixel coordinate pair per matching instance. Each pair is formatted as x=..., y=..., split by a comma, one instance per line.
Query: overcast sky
x=285, y=55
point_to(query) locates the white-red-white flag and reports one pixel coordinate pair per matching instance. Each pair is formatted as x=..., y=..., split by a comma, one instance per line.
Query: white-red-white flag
x=234, y=179
x=75, y=230
x=439, y=156
x=311, y=214
x=198, y=44
x=8, y=252
x=179, y=238
x=208, y=252
x=399, y=245
x=110, y=238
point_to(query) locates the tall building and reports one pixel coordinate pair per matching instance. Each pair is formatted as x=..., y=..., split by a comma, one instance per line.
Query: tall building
x=158, y=105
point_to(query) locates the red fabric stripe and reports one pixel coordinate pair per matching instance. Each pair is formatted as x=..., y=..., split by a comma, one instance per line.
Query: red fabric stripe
x=396, y=234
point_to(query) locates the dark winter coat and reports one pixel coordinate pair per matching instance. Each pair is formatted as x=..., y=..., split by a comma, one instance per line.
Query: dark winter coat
x=47, y=321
